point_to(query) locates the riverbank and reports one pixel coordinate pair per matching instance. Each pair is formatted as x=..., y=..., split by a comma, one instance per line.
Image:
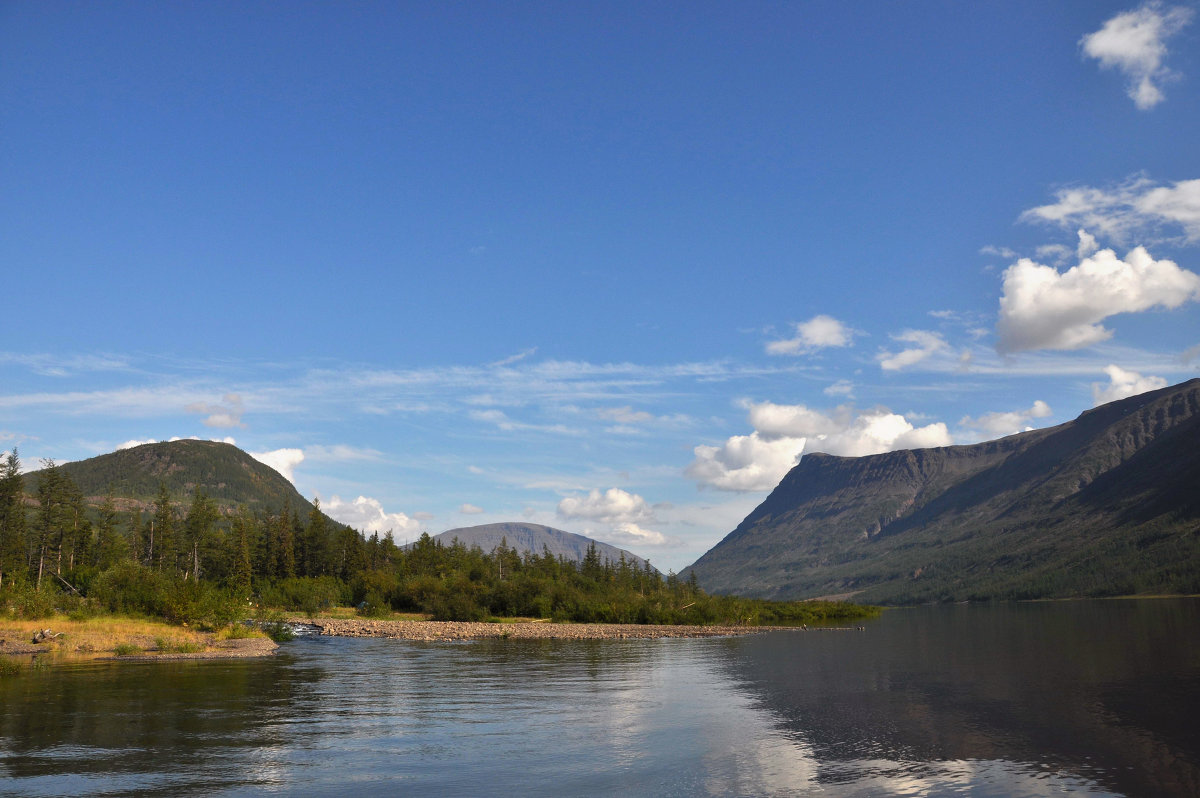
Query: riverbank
x=127, y=639
x=532, y=630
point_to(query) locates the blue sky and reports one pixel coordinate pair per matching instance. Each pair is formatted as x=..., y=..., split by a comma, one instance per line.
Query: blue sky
x=610, y=267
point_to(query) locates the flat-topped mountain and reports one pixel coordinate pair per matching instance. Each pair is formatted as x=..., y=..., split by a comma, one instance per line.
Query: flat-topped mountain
x=1106, y=504
x=532, y=537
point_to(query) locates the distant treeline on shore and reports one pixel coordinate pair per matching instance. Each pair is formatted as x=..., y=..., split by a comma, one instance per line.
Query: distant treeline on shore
x=204, y=567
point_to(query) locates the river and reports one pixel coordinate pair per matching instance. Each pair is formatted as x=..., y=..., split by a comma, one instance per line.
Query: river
x=1097, y=698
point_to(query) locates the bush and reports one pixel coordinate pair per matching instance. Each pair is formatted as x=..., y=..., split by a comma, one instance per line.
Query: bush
x=309, y=595
x=132, y=589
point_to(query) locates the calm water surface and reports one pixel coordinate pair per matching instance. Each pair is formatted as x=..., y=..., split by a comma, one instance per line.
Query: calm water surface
x=1087, y=698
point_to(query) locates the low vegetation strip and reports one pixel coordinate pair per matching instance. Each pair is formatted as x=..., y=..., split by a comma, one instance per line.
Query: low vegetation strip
x=471, y=630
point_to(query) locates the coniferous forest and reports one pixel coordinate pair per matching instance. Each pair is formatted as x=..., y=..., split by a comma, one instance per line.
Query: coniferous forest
x=203, y=564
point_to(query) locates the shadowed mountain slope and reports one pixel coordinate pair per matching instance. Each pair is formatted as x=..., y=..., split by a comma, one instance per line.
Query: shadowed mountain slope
x=1106, y=504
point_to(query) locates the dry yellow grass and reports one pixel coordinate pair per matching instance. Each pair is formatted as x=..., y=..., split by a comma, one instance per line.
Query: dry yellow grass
x=103, y=634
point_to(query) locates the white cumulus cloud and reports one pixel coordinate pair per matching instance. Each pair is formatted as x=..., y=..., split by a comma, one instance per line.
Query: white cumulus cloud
x=1042, y=308
x=1135, y=43
x=470, y=509
x=999, y=424
x=1122, y=384
x=745, y=462
x=819, y=332
x=783, y=433
x=613, y=505
x=367, y=515
x=282, y=460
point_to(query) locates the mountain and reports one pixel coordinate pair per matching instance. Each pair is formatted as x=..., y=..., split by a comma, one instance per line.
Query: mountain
x=532, y=537
x=1106, y=504
x=226, y=474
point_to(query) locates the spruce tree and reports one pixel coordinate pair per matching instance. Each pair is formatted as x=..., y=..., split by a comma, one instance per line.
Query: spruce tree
x=14, y=563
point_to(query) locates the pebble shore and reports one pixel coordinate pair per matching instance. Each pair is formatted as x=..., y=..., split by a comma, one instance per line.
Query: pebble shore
x=456, y=630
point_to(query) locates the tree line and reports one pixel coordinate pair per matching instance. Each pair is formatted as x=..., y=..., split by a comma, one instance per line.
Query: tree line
x=200, y=564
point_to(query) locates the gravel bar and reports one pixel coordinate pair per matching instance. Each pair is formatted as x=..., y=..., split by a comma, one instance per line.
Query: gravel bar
x=456, y=630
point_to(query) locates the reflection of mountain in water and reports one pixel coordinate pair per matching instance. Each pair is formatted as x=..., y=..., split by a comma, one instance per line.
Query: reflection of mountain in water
x=1102, y=690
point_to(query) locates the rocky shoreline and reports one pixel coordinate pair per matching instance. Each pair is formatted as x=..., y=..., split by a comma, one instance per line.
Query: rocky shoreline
x=462, y=630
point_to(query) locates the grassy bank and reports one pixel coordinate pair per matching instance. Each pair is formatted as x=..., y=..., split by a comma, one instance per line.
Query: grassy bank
x=119, y=636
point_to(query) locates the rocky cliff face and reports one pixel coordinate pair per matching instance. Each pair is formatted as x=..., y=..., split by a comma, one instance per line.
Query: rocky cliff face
x=1106, y=504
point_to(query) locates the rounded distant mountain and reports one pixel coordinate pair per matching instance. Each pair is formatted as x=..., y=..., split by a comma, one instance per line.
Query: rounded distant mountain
x=532, y=538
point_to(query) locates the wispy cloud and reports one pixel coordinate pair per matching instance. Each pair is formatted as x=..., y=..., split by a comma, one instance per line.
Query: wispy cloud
x=1137, y=209
x=923, y=345
x=222, y=416
x=65, y=366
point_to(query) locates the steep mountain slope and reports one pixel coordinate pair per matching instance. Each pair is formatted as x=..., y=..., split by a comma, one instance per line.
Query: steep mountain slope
x=1106, y=504
x=532, y=537
x=225, y=473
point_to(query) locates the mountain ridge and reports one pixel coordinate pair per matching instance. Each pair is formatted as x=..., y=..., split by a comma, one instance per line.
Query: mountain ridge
x=1099, y=505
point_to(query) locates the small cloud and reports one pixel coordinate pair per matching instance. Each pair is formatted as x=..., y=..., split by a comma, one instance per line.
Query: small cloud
x=997, y=425
x=625, y=415
x=819, y=332
x=475, y=469
x=341, y=453
x=133, y=443
x=999, y=252
x=1134, y=43
x=840, y=388
x=630, y=534
x=1123, y=384
x=221, y=416
x=282, y=460
x=924, y=344
x=470, y=509
x=518, y=357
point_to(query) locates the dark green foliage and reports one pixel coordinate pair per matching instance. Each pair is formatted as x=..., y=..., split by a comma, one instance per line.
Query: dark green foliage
x=134, y=589
x=202, y=562
x=306, y=595
x=14, y=556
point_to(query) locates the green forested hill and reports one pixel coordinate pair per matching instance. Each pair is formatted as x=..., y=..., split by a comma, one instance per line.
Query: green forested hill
x=1106, y=504
x=222, y=471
